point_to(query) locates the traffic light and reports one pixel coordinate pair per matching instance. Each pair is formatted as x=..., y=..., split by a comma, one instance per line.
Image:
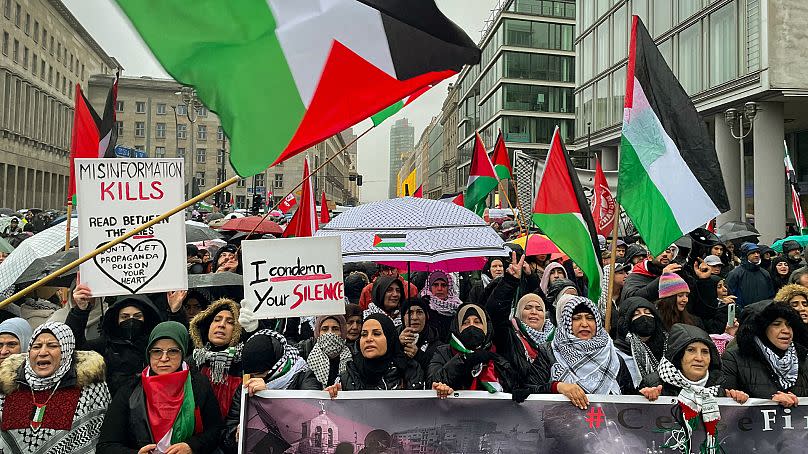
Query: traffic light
x=256, y=204
x=359, y=180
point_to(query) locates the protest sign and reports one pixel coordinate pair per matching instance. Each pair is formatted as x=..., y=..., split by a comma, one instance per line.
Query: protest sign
x=406, y=422
x=293, y=277
x=116, y=195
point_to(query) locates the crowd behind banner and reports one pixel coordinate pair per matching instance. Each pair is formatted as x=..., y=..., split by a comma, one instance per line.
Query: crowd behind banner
x=164, y=372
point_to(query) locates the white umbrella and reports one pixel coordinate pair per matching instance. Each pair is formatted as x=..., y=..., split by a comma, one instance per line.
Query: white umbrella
x=410, y=229
x=43, y=244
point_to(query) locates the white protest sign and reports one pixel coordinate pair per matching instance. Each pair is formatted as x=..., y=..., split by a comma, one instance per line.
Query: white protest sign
x=293, y=277
x=116, y=195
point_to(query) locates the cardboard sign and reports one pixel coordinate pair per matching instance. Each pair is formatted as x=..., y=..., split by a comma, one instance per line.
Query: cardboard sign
x=293, y=277
x=116, y=195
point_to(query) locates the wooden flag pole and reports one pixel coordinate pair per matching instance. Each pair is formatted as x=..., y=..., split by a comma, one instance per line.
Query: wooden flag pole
x=508, y=200
x=612, y=259
x=67, y=230
x=521, y=215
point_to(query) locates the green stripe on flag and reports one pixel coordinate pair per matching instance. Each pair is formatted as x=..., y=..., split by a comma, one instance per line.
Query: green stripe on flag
x=387, y=113
x=502, y=172
x=642, y=201
x=390, y=244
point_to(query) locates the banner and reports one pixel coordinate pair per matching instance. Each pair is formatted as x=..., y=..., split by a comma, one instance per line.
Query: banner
x=116, y=195
x=293, y=277
x=405, y=422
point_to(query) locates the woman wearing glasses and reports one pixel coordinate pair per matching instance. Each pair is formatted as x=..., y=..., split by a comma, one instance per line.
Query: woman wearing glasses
x=168, y=409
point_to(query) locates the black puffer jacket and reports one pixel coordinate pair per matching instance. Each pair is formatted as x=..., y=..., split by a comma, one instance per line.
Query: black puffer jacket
x=749, y=283
x=681, y=336
x=743, y=365
x=411, y=377
x=506, y=340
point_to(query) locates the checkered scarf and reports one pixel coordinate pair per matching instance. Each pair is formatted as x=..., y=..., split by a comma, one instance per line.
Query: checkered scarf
x=785, y=368
x=643, y=356
x=219, y=362
x=374, y=309
x=67, y=345
x=328, y=346
x=289, y=364
x=447, y=307
x=592, y=363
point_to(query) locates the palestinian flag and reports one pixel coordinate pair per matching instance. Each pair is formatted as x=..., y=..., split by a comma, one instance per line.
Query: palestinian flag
x=304, y=221
x=393, y=109
x=419, y=193
x=670, y=180
x=482, y=178
x=562, y=213
x=92, y=136
x=457, y=199
x=325, y=218
x=383, y=240
x=502, y=165
x=283, y=75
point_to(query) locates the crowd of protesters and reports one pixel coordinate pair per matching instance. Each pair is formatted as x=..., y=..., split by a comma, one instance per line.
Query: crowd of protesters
x=164, y=372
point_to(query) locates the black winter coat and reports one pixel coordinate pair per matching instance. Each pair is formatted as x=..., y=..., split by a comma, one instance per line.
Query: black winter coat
x=395, y=378
x=506, y=340
x=539, y=381
x=750, y=284
x=126, y=425
x=454, y=370
x=748, y=371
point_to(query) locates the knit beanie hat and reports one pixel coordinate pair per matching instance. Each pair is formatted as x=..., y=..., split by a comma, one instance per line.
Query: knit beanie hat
x=671, y=284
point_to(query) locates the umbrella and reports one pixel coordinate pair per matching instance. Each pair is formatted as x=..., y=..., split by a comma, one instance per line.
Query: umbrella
x=802, y=239
x=225, y=278
x=217, y=223
x=739, y=235
x=410, y=229
x=736, y=230
x=256, y=224
x=43, y=266
x=5, y=246
x=42, y=244
x=536, y=244
x=7, y=212
x=195, y=233
x=214, y=216
x=234, y=216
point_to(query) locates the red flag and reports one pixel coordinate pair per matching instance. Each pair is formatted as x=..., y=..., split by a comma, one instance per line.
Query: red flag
x=502, y=165
x=711, y=225
x=324, y=217
x=304, y=221
x=458, y=200
x=419, y=192
x=287, y=203
x=603, y=206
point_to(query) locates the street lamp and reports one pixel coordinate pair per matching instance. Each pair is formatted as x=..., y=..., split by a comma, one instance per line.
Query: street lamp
x=187, y=96
x=731, y=117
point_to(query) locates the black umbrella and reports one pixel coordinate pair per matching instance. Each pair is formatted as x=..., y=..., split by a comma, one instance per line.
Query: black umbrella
x=7, y=212
x=225, y=278
x=195, y=233
x=213, y=217
x=44, y=266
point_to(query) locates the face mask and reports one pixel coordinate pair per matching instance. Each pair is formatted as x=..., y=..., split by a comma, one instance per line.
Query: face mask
x=331, y=344
x=131, y=329
x=643, y=326
x=472, y=337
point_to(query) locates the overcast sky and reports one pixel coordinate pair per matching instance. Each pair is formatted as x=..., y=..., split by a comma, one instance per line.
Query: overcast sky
x=112, y=30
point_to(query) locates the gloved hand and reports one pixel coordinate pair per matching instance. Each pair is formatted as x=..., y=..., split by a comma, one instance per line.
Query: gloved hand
x=520, y=394
x=478, y=357
x=246, y=316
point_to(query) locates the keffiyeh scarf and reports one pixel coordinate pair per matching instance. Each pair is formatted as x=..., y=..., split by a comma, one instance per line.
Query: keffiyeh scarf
x=218, y=362
x=67, y=345
x=289, y=364
x=643, y=356
x=447, y=307
x=327, y=347
x=532, y=337
x=592, y=363
x=695, y=399
x=374, y=309
x=785, y=368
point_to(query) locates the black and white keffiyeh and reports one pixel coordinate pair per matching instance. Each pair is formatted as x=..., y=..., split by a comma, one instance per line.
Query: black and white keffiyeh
x=785, y=368
x=219, y=362
x=374, y=309
x=328, y=347
x=643, y=356
x=447, y=307
x=289, y=364
x=67, y=345
x=592, y=363
x=536, y=336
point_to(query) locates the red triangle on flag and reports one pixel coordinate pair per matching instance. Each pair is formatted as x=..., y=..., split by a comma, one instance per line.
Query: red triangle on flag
x=325, y=218
x=556, y=193
x=376, y=240
x=458, y=200
x=500, y=157
x=419, y=192
x=303, y=222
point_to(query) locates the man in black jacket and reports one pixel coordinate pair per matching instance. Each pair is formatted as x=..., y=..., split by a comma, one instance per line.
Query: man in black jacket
x=644, y=278
x=792, y=250
x=749, y=282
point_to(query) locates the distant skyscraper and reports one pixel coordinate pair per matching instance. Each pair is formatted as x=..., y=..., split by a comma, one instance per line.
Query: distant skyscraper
x=402, y=141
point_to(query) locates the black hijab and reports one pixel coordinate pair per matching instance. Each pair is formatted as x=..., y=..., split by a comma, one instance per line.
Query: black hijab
x=372, y=370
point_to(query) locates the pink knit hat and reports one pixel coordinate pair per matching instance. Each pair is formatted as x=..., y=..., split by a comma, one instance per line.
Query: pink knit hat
x=671, y=284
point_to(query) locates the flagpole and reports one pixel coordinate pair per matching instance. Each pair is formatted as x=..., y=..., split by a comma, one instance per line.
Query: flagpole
x=612, y=259
x=67, y=230
x=507, y=199
x=521, y=215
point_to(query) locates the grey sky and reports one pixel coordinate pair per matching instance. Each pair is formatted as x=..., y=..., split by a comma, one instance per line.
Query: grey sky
x=105, y=22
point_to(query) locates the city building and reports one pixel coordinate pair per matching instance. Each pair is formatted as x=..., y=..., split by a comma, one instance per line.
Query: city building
x=725, y=53
x=524, y=83
x=448, y=121
x=421, y=160
x=349, y=137
x=44, y=53
x=402, y=140
x=433, y=171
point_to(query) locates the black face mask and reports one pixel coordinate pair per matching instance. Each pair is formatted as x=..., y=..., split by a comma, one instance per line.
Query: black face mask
x=643, y=326
x=131, y=329
x=472, y=337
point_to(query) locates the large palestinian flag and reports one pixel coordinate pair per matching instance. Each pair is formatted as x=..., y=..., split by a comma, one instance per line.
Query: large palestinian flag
x=285, y=74
x=563, y=214
x=482, y=178
x=670, y=180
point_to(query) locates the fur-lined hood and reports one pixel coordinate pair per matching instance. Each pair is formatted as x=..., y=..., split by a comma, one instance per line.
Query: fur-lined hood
x=88, y=368
x=201, y=322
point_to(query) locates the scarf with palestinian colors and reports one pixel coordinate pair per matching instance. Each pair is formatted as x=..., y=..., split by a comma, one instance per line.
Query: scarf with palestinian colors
x=169, y=406
x=484, y=376
x=287, y=366
x=696, y=400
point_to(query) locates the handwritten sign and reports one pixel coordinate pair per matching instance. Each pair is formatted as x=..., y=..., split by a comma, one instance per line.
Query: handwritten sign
x=116, y=195
x=293, y=277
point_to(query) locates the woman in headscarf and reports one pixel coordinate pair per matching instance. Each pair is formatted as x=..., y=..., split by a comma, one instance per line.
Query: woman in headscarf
x=381, y=363
x=170, y=408
x=797, y=297
x=581, y=358
x=641, y=337
x=552, y=272
x=388, y=292
x=470, y=361
x=769, y=359
x=555, y=291
x=353, y=325
x=691, y=371
x=576, y=275
x=443, y=301
x=418, y=337
x=216, y=335
x=494, y=268
x=15, y=334
x=52, y=398
x=327, y=353
x=779, y=271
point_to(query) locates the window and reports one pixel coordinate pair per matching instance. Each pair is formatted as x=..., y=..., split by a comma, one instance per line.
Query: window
x=160, y=152
x=182, y=109
x=5, y=43
x=330, y=437
x=50, y=47
x=140, y=129
x=539, y=35
x=42, y=69
x=200, y=179
x=601, y=104
x=258, y=180
x=36, y=31
x=182, y=131
x=139, y=147
x=58, y=51
x=603, y=47
x=202, y=111
x=219, y=156
x=723, y=45
x=687, y=8
x=618, y=94
x=519, y=65
x=619, y=43
x=318, y=437
x=34, y=64
x=241, y=183
x=160, y=131
x=27, y=26
x=241, y=200
x=202, y=132
x=181, y=153
x=690, y=53
x=140, y=107
x=7, y=8
x=16, y=54
x=663, y=16
x=119, y=106
x=200, y=155
x=161, y=109
x=44, y=38
x=278, y=182
x=119, y=128
x=219, y=133
x=18, y=15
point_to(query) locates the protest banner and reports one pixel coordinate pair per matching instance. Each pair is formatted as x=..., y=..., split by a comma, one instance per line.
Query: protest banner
x=293, y=277
x=116, y=195
x=406, y=422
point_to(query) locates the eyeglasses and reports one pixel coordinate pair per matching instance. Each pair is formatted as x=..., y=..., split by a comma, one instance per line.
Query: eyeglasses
x=172, y=353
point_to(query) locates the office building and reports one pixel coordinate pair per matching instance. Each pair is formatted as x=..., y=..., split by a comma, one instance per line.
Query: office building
x=402, y=140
